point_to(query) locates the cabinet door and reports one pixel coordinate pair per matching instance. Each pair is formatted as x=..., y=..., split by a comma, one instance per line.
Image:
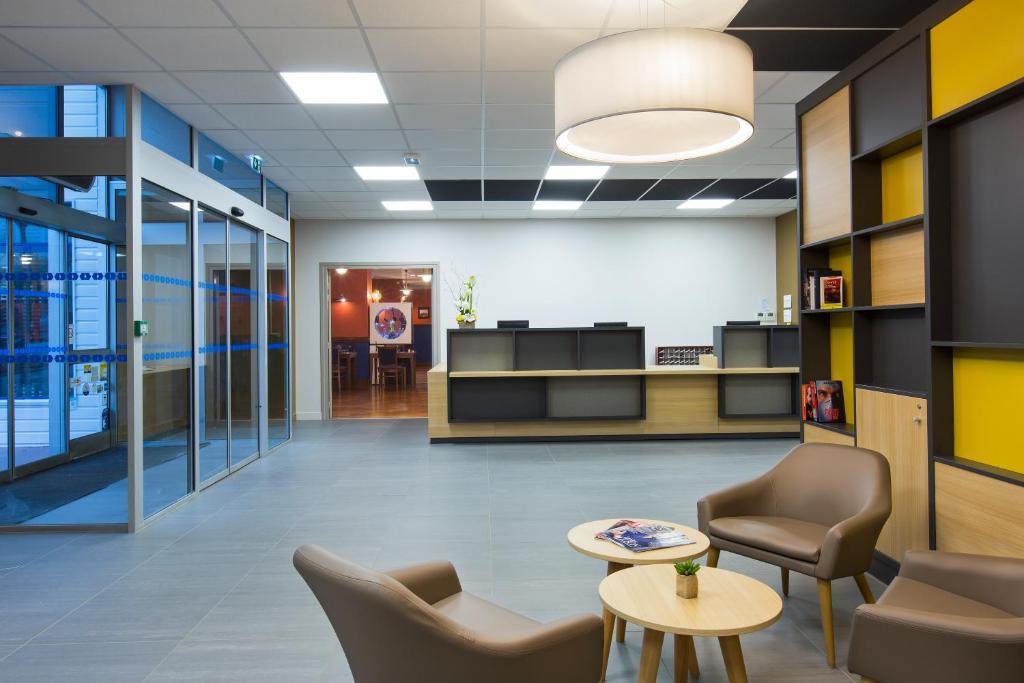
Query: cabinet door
x=897, y=427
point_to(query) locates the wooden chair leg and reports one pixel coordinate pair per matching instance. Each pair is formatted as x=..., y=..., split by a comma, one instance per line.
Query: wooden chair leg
x=785, y=581
x=713, y=554
x=825, y=600
x=865, y=588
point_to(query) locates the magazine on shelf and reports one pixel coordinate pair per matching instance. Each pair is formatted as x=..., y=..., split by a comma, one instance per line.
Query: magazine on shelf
x=830, y=406
x=812, y=286
x=831, y=291
x=643, y=536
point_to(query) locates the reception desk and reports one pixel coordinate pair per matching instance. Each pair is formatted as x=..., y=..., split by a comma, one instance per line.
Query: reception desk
x=494, y=391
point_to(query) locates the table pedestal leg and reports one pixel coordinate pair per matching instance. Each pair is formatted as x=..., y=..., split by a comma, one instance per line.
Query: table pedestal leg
x=609, y=624
x=733, y=656
x=650, y=656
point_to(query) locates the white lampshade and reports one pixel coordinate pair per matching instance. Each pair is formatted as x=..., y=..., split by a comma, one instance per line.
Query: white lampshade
x=654, y=95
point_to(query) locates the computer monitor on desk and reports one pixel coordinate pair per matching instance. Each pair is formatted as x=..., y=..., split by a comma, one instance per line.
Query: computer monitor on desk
x=611, y=324
x=513, y=324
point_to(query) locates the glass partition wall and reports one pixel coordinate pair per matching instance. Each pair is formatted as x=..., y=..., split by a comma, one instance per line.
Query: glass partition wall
x=144, y=319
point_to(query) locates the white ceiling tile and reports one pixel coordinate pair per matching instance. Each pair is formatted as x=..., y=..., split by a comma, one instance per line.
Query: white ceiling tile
x=13, y=58
x=775, y=116
x=795, y=86
x=519, y=87
x=460, y=206
x=367, y=139
x=713, y=14
x=440, y=212
x=381, y=214
x=443, y=139
x=414, y=49
x=761, y=171
x=312, y=49
x=531, y=49
x=47, y=13
x=766, y=137
x=290, y=13
x=368, y=157
x=516, y=157
x=295, y=157
x=537, y=13
x=506, y=214
x=204, y=49
x=773, y=155
x=540, y=116
x=639, y=170
x=35, y=78
x=328, y=185
x=519, y=139
x=439, y=87
x=157, y=84
x=466, y=116
x=763, y=80
x=237, y=87
x=514, y=172
x=322, y=173
x=417, y=13
x=688, y=170
x=451, y=157
x=451, y=172
x=788, y=142
x=81, y=49
x=160, y=12
x=289, y=139
x=384, y=190
x=353, y=116
x=341, y=195
x=201, y=115
x=290, y=185
x=266, y=116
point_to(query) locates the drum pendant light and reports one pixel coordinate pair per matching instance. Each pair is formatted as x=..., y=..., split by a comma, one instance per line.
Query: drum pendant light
x=654, y=95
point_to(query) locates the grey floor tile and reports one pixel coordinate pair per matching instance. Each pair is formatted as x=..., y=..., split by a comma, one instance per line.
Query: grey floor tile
x=126, y=662
x=255, y=660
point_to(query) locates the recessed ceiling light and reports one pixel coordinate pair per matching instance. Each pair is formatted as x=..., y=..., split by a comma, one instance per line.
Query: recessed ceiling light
x=556, y=205
x=575, y=172
x=336, y=87
x=416, y=205
x=791, y=174
x=387, y=172
x=705, y=203
x=341, y=271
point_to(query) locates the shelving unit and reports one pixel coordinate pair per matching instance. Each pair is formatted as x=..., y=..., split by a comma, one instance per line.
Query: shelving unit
x=932, y=334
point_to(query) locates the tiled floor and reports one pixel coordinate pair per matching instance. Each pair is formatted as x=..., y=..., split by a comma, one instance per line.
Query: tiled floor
x=209, y=593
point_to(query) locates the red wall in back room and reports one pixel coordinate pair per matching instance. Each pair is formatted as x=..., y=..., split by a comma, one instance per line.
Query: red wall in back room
x=390, y=290
x=351, y=319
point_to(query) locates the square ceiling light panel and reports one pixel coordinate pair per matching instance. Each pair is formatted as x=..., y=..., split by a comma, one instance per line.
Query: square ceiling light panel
x=387, y=172
x=315, y=87
x=412, y=205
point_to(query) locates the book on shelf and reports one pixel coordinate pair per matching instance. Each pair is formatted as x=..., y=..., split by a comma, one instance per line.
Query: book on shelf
x=643, y=536
x=822, y=401
x=830, y=293
x=812, y=286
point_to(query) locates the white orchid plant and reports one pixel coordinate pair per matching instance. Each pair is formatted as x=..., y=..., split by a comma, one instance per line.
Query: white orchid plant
x=464, y=300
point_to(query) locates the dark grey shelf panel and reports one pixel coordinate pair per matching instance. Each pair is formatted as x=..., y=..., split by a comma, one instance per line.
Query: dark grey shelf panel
x=595, y=398
x=554, y=350
x=888, y=100
x=611, y=348
x=821, y=311
x=478, y=399
x=1009, y=346
x=757, y=346
x=828, y=242
x=760, y=395
x=892, y=225
x=483, y=350
x=888, y=349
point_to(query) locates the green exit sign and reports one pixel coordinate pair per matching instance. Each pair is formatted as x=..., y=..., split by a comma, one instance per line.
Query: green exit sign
x=256, y=163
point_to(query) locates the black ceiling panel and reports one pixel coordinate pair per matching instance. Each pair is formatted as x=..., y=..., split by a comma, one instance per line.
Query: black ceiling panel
x=808, y=50
x=783, y=188
x=829, y=13
x=677, y=189
x=566, y=189
x=510, y=190
x=620, y=190
x=732, y=188
x=453, y=190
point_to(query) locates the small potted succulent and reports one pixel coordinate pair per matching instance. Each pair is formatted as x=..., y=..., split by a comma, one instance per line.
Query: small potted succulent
x=686, y=578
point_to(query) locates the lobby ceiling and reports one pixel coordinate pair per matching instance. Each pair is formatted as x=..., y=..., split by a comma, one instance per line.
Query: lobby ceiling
x=469, y=84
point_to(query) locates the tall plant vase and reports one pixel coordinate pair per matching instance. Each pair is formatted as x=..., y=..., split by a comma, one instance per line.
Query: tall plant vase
x=686, y=586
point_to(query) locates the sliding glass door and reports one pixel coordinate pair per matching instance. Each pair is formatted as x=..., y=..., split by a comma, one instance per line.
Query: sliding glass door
x=278, y=406
x=212, y=332
x=244, y=341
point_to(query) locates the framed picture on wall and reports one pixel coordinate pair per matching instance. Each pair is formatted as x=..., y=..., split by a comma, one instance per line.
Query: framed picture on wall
x=391, y=323
x=423, y=312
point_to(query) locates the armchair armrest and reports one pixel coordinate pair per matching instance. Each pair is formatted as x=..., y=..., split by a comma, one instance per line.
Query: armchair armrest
x=752, y=497
x=568, y=649
x=849, y=545
x=996, y=581
x=431, y=581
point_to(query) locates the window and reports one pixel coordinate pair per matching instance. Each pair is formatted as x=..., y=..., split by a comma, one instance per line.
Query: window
x=277, y=199
x=165, y=131
x=228, y=170
x=28, y=111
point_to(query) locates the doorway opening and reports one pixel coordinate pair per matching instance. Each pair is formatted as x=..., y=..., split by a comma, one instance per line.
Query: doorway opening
x=382, y=339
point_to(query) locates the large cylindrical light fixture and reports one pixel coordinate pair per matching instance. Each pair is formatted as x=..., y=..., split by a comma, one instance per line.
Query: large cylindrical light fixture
x=654, y=95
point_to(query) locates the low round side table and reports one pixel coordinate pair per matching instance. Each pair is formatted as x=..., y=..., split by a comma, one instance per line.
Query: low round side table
x=583, y=539
x=727, y=605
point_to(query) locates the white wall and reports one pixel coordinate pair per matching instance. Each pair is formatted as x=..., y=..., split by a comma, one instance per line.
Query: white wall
x=676, y=277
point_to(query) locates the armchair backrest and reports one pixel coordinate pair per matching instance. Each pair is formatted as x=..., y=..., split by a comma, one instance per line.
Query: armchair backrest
x=827, y=483
x=387, y=632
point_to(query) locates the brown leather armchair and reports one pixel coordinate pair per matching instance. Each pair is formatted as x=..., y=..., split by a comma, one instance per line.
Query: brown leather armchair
x=947, y=618
x=416, y=624
x=819, y=512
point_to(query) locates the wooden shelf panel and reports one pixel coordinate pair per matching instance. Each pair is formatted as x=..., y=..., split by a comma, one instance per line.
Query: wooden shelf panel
x=846, y=428
x=825, y=169
x=897, y=266
x=976, y=513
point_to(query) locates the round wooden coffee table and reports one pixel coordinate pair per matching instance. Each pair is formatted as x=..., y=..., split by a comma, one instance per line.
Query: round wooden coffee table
x=583, y=539
x=727, y=605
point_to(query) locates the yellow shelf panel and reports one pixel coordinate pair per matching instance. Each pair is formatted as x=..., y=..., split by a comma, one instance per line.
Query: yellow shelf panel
x=903, y=185
x=840, y=258
x=841, y=341
x=987, y=404
x=975, y=51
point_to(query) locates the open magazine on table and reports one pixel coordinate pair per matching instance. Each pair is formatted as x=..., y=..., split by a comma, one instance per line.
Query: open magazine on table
x=643, y=536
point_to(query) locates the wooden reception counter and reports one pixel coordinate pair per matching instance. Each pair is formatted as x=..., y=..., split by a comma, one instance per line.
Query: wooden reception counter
x=658, y=401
